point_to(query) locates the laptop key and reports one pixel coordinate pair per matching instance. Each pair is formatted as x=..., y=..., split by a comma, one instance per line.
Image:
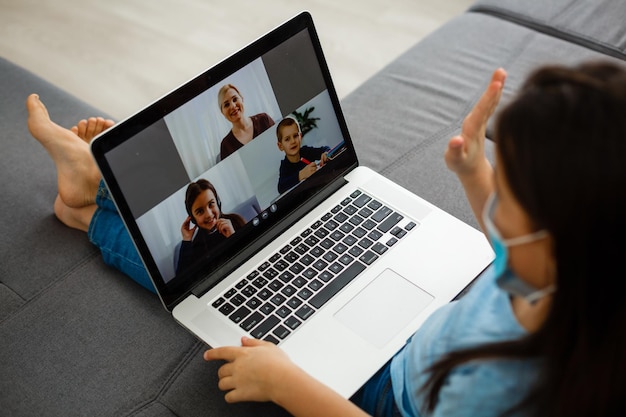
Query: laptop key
x=346, y=259
x=283, y=311
x=321, y=233
x=296, y=268
x=365, y=212
x=286, y=276
x=311, y=241
x=264, y=294
x=288, y=290
x=263, y=328
x=369, y=224
x=299, y=282
x=355, y=251
x=292, y=322
x=317, y=251
x=239, y=314
x=325, y=276
x=356, y=220
x=249, y=291
x=253, y=303
x=278, y=299
x=334, y=286
x=336, y=267
x=393, y=219
x=271, y=339
x=368, y=257
x=249, y=323
x=267, y=309
x=315, y=285
x=374, y=204
x=294, y=302
x=238, y=300
x=281, y=332
x=362, y=200
x=305, y=293
x=291, y=257
x=218, y=302
x=226, y=309
x=330, y=256
x=305, y=312
x=374, y=235
x=379, y=248
x=260, y=282
x=307, y=260
x=276, y=285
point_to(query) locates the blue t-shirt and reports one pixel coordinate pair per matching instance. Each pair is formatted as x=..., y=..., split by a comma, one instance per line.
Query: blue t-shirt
x=477, y=388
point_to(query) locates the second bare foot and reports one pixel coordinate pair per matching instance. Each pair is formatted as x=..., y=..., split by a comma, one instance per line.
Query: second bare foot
x=87, y=129
x=78, y=176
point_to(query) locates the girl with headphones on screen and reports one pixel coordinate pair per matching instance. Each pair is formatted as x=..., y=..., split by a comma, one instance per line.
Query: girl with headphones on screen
x=206, y=221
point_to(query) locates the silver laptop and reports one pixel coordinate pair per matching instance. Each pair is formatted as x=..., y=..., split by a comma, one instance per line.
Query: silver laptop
x=339, y=267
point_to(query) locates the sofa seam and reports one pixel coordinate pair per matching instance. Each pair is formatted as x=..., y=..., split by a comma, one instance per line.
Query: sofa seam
x=171, y=378
x=43, y=290
x=554, y=31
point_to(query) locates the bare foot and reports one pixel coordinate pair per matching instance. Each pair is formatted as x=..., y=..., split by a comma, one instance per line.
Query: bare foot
x=78, y=176
x=87, y=129
x=77, y=218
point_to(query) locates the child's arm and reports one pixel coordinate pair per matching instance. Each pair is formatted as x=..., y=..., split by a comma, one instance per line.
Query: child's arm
x=260, y=371
x=465, y=154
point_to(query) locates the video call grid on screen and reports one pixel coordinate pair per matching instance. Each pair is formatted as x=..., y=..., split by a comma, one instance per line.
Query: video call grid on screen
x=184, y=146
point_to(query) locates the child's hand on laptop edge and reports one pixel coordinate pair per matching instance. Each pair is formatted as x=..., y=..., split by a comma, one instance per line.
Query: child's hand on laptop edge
x=253, y=372
x=261, y=371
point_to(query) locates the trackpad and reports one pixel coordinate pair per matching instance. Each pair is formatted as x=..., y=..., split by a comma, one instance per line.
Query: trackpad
x=383, y=308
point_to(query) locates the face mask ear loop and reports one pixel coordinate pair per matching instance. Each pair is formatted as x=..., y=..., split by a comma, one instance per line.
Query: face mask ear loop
x=538, y=295
x=515, y=241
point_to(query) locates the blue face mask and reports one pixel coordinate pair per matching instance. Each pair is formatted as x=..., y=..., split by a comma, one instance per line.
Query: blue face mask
x=507, y=280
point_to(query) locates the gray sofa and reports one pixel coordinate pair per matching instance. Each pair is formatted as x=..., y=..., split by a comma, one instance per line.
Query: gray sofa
x=67, y=349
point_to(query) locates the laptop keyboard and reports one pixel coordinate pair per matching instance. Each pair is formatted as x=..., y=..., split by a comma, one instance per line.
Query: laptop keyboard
x=296, y=281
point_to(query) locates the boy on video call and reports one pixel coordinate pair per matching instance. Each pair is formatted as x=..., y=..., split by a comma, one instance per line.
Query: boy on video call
x=300, y=162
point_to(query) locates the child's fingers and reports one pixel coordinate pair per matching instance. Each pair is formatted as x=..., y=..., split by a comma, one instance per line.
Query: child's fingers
x=454, y=152
x=249, y=342
x=227, y=353
x=476, y=121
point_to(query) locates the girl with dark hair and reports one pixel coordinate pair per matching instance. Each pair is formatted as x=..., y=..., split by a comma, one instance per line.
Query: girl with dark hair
x=542, y=332
x=206, y=220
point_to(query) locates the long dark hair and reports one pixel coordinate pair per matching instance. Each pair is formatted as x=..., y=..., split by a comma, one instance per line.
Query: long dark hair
x=562, y=145
x=194, y=189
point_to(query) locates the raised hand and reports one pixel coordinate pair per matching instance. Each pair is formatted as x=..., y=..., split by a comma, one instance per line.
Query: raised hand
x=466, y=152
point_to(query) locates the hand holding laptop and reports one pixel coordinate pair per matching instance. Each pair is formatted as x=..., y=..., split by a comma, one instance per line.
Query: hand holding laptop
x=261, y=371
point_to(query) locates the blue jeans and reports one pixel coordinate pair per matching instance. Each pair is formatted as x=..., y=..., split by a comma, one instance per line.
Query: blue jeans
x=108, y=233
x=376, y=396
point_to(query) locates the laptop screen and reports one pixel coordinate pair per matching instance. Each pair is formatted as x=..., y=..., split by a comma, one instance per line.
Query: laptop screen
x=209, y=173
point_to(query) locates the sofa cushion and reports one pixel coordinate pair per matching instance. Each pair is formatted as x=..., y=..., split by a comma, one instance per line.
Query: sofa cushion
x=598, y=24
